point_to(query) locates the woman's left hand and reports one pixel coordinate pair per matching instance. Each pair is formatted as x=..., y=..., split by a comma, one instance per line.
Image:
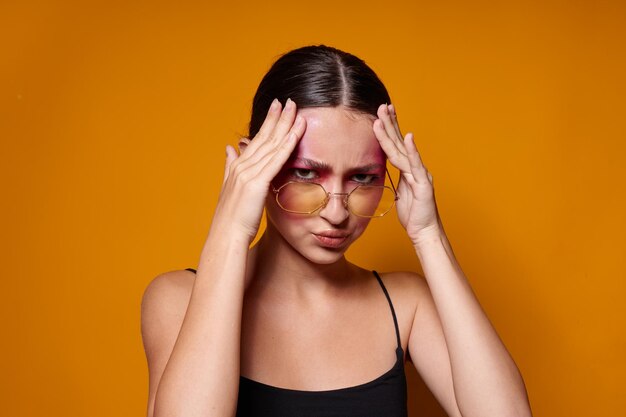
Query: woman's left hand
x=417, y=209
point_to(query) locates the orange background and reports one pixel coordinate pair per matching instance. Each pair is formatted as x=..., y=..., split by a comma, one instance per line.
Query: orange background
x=114, y=116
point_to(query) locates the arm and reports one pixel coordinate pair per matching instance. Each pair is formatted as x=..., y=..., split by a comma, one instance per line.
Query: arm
x=473, y=373
x=196, y=373
x=193, y=350
x=478, y=378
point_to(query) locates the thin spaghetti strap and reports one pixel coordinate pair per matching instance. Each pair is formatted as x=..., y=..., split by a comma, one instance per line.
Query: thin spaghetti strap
x=393, y=312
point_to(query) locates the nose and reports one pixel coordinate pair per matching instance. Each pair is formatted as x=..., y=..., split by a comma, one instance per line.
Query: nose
x=335, y=211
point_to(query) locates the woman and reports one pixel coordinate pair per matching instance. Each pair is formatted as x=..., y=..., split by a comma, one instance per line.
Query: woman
x=290, y=327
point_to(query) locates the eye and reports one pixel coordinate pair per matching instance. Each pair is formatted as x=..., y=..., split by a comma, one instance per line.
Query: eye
x=365, y=178
x=303, y=174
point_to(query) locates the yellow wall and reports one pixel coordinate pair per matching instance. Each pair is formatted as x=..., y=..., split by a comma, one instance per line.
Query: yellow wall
x=114, y=117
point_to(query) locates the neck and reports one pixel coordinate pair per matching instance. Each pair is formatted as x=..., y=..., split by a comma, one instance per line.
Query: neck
x=274, y=266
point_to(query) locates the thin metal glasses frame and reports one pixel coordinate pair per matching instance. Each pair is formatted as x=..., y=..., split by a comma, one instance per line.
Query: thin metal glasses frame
x=323, y=204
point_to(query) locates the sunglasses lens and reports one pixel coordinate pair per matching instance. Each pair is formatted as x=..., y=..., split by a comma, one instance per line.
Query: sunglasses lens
x=301, y=197
x=371, y=201
x=364, y=201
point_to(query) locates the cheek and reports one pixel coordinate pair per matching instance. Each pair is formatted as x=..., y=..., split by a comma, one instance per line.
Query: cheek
x=282, y=219
x=360, y=226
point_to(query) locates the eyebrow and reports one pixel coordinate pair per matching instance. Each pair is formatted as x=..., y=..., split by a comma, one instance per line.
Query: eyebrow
x=311, y=163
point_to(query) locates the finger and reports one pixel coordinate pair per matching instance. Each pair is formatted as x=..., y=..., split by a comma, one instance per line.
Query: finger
x=269, y=146
x=396, y=157
x=298, y=128
x=382, y=136
x=273, y=114
x=406, y=185
x=285, y=122
x=394, y=118
x=285, y=148
x=419, y=171
x=385, y=117
x=275, y=151
x=269, y=139
x=273, y=162
x=273, y=165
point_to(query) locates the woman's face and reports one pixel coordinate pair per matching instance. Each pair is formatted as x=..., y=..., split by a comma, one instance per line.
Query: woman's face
x=339, y=150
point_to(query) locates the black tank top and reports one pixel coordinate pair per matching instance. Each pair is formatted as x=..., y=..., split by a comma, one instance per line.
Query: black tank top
x=385, y=396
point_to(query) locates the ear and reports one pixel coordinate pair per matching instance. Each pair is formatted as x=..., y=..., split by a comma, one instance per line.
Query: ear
x=243, y=144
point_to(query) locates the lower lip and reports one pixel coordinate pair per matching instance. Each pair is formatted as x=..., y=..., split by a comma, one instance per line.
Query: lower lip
x=331, y=242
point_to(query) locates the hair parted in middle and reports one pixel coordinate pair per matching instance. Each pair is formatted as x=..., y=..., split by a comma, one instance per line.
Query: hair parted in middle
x=318, y=76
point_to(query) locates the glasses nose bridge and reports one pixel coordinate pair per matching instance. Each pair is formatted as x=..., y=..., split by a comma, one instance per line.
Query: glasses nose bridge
x=329, y=195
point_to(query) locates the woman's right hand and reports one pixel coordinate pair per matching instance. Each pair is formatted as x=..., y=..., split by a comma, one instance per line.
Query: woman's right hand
x=247, y=175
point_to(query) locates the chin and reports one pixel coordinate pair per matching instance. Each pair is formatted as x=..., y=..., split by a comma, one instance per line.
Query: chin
x=322, y=256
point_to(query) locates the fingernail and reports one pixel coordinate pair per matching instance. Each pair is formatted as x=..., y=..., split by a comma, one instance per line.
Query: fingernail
x=386, y=109
x=393, y=109
x=289, y=103
x=274, y=105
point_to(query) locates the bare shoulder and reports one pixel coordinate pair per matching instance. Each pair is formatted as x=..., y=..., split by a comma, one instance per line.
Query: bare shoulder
x=405, y=283
x=167, y=292
x=163, y=307
x=406, y=290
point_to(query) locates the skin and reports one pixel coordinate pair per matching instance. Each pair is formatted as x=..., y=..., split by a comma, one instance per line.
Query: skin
x=345, y=143
x=294, y=314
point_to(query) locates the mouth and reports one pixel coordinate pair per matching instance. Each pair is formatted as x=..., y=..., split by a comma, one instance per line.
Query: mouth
x=331, y=240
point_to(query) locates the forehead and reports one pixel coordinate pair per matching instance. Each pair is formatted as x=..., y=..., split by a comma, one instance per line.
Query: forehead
x=339, y=137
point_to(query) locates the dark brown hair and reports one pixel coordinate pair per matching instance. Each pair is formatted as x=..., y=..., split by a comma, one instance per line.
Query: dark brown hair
x=318, y=76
